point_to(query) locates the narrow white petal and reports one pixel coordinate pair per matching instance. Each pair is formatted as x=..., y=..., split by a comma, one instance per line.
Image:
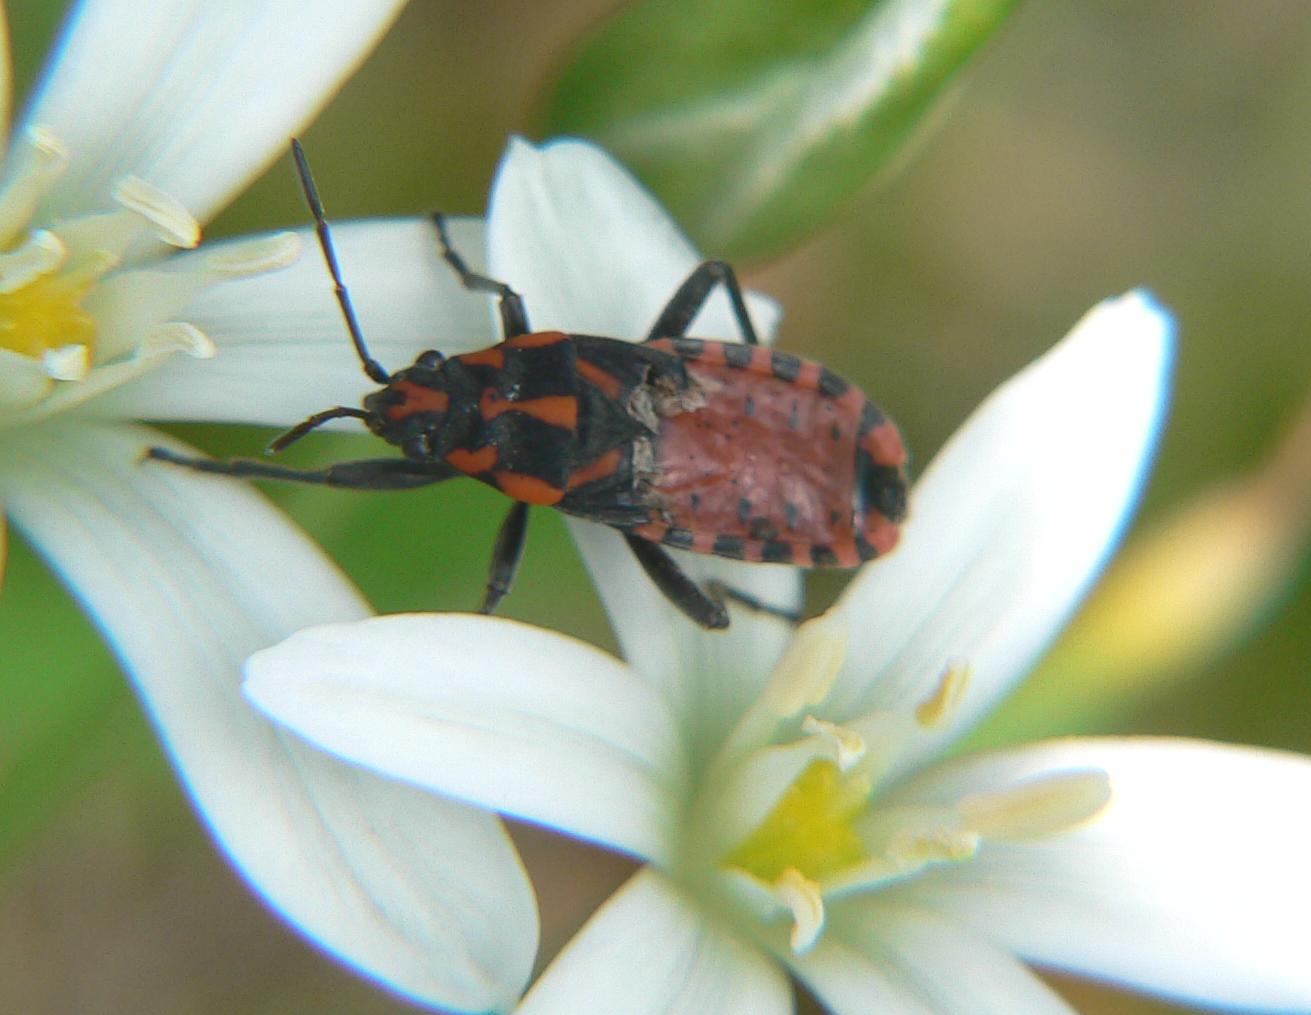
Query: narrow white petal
x=187, y=575
x=1012, y=521
x=1193, y=882
x=491, y=711
x=888, y=958
x=710, y=676
x=590, y=250
x=283, y=349
x=192, y=96
x=650, y=950
x=849, y=982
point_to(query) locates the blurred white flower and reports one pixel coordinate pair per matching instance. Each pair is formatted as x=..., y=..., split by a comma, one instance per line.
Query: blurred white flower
x=150, y=118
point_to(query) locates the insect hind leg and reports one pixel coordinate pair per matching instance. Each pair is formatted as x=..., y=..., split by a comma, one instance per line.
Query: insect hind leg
x=691, y=296
x=677, y=587
x=722, y=592
x=505, y=556
x=514, y=318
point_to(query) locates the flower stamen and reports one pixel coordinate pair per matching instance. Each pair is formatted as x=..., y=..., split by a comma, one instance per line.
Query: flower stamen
x=802, y=898
x=941, y=704
x=42, y=253
x=40, y=158
x=808, y=668
x=848, y=745
x=254, y=257
x=177, y=336
x=915, y=848
x=173, y=223
x=67, y=363
x=1038, y=807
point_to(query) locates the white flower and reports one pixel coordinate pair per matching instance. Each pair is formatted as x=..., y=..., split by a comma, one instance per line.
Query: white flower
x=151, y=117
x=787, y=791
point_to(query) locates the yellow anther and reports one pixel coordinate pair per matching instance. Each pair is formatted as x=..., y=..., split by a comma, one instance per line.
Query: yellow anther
x=1039, y=807
x=802, y=897
x=68, y=362
x=254, y=257
x=808, y=668
x=915, y=848
x=173, y=223
x=848, y=745
x=36, y=160
x=51, y=153
x=42, y=253
x=178, y=336
x=940, y=705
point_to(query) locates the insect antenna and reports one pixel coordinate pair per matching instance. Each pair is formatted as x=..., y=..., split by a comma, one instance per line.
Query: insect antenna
x=371, y=366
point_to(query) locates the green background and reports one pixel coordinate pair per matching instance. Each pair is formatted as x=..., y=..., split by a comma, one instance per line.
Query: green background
x=1094, y=146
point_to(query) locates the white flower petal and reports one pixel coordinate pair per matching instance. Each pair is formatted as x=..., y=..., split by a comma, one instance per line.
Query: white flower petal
x=491, y=711
x=710, y=676
x=1012, y=521
x=1192, y=883
x=283, y=349
x=23, y=380
x=886, y=958
x=650, y=950
x=194, y=97
x=187, y=575
x=590, y=250
x=848, y=982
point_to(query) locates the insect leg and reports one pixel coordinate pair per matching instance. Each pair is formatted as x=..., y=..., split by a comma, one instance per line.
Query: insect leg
x=721, y=591
x=677, y=587
x=691, y=296
x=514, y=318
x=368, y=474
x=505, y=556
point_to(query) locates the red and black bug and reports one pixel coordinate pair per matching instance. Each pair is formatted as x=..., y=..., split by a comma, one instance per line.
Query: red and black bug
x=714, y=447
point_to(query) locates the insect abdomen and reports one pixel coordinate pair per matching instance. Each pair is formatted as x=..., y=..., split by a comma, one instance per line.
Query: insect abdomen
x=783, y=461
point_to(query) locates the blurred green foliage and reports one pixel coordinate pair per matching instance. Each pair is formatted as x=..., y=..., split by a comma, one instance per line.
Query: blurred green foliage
x=1087, y=155
x=755, y=121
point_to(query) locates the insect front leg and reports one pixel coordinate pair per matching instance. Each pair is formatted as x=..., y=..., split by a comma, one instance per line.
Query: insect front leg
x=514, y=318
x=367, y=474
x=691, y=296
x=506, y=555
x=677, y=587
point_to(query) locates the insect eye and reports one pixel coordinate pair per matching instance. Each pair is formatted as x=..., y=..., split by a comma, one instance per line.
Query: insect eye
x=431, y=359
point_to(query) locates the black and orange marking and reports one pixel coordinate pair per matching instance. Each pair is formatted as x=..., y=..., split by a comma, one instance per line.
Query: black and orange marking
x=721, y=448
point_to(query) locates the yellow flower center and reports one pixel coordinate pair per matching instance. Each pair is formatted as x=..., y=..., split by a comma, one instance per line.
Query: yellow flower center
x=810, y=829
x=46, y=314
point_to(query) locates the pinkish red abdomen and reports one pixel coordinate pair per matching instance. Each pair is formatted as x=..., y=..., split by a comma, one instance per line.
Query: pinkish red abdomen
x=774, y=459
